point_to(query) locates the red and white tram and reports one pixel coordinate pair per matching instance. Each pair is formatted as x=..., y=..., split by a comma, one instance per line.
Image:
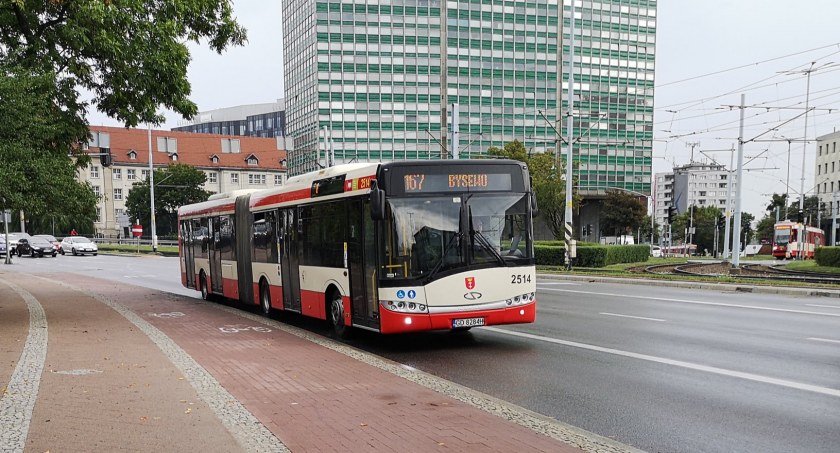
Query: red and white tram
x=390, y=247
x=796, y=240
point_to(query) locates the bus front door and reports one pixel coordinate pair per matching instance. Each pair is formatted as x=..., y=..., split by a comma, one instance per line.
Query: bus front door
x=215, y=256
x=290, y=259
x=361, y=260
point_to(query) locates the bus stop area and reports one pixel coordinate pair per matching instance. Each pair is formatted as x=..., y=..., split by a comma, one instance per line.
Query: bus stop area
x=95, y=365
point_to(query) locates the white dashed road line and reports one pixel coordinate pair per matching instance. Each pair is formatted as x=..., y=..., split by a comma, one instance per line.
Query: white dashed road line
x=634, y=317
x=825, y=340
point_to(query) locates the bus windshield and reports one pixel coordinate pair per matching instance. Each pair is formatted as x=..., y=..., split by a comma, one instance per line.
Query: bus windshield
x=427, y=235
x=782, y=237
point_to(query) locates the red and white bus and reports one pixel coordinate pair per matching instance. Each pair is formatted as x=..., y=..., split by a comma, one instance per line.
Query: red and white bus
x=796, y=240
x=390, y=247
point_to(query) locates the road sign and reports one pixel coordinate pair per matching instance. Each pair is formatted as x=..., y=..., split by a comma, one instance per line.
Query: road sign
x=137, y=230
x=123, y=221
x=7, y=216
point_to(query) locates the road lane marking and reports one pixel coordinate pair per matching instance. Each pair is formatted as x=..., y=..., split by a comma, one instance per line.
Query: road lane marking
x=823, y=306
x=634, y=317
x=825, y=340
x=678, y=363
x=698, y=302
x=557, y=283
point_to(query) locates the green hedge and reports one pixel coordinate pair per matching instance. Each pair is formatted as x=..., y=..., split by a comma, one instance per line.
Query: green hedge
x=592, y=255
x=828, y=256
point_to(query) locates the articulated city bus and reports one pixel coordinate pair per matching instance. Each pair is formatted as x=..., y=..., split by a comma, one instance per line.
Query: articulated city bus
x=390, y=247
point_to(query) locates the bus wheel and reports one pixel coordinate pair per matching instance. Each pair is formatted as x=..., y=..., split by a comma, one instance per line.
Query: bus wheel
x=265, y=297
x=205, y=292
x=336, y=313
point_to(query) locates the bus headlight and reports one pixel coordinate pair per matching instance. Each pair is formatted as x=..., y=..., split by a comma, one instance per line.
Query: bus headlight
x=402, y=307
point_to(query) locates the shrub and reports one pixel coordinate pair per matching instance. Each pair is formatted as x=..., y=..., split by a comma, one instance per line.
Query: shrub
x=828, y=256
x=591, y=255
x=550, y=255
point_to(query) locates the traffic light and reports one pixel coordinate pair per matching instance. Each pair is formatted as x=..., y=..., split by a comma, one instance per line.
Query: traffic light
x=105, y=157
x=672, y=214
x=721, y=221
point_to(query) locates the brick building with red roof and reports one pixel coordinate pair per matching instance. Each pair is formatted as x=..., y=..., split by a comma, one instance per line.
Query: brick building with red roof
x=230, y=162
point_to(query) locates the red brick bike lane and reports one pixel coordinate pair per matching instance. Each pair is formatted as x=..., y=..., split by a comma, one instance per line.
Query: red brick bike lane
x=314, y=398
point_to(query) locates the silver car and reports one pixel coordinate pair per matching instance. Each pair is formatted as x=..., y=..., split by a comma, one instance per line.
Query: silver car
x=13, y=241
x=79, y=245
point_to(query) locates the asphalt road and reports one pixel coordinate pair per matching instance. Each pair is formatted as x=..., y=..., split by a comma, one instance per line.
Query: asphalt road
x=662, y=369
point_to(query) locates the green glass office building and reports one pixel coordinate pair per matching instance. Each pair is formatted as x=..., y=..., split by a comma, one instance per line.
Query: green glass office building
x=365, y=78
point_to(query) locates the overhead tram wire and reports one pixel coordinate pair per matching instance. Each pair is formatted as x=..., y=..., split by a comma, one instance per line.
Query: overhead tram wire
x=723, y=71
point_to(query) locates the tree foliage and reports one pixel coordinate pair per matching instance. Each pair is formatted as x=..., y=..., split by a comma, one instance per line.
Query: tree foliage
x=175, y=186
x=131, y=55
x=36, y=174
x=548, y=183
x=622, y=213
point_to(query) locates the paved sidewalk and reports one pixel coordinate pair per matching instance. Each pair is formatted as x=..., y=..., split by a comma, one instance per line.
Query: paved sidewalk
x=129, y=368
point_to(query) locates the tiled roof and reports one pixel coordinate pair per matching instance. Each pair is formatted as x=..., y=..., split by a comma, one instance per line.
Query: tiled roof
x=192, y=149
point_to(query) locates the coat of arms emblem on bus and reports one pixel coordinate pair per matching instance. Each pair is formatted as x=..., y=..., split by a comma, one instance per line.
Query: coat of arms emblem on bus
x=470, y=282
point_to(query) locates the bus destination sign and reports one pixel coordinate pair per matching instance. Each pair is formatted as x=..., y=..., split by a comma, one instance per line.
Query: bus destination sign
x=456, y=182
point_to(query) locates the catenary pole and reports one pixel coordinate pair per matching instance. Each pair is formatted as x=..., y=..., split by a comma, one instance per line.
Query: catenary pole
x=833, y=218
x=570, y=131
x=728, y=212
x=805, y=139
x=736, y=225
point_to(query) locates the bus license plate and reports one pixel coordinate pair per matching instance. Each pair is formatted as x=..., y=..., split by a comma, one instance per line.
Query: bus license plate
x=467, y=322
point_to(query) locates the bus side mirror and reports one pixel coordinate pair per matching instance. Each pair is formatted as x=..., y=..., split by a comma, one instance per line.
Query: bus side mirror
x=534, y=209
x=377, y=202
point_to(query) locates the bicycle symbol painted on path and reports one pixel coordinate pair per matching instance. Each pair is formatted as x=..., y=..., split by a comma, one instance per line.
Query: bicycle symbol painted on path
x=239, y=328
x=174, y=314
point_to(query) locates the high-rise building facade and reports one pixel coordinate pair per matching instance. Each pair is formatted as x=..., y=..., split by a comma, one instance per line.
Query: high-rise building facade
x=367, y=80
x=827, y=172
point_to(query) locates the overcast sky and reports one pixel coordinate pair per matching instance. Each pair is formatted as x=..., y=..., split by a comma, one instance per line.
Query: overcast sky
x=725, y=47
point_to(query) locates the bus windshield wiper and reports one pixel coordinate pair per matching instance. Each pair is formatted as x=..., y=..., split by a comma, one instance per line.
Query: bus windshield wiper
x=484, y=242
x=446, y=249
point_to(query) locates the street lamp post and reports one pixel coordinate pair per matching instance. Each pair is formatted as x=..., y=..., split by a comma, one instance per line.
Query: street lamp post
x=152, y=192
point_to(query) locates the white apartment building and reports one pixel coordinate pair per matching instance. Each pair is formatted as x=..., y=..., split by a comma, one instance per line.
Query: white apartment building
x=827, y=170
x=698, y=184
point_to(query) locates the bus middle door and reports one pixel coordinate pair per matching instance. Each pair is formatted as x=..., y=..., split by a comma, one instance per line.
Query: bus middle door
x=215, y=256
x=290, y=259
x=188, y=253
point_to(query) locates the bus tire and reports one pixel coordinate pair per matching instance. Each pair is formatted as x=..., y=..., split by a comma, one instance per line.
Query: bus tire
x=205, y=291
x=335, y=313
x=265, y=297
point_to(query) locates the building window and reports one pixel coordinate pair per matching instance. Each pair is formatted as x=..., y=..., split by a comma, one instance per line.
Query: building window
x=144, y=174
x=117, y=173
x=132, y=155
x=167, y=144
x=230, y=145
x=117, y=194
x=98, y=214
x=212, y=177
x=256, y=179
x=118, y=212
x=131, y=174
x=278, y=180
x=173, y=157
x=253, y=161
x=234, y=178
x=94, y=172
x=96, y=191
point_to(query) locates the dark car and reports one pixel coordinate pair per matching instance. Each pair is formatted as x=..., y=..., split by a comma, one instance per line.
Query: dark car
x=35, y=247
x=56, y=244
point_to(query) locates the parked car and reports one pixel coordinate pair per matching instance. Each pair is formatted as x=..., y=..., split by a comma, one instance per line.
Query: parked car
x=3, y=245
x=655, y=251
x=39, y=247
x=79, y=245
x=56, y=244
x=13, y=241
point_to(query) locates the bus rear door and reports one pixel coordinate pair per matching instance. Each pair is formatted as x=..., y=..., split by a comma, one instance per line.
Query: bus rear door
x=290, y=259
x=188, y=252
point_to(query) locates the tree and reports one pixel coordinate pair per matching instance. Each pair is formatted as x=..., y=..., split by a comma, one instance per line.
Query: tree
x=622, y=213
x=36, y=174
x=765, y=228
x=746, y=229
x=175, y=186
x=548, y=183
x=778, y=201
x=644, y=229
x=131, y=57
x=809, y=213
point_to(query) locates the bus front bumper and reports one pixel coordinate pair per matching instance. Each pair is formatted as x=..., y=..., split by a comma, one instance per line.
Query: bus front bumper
x=396, y=322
